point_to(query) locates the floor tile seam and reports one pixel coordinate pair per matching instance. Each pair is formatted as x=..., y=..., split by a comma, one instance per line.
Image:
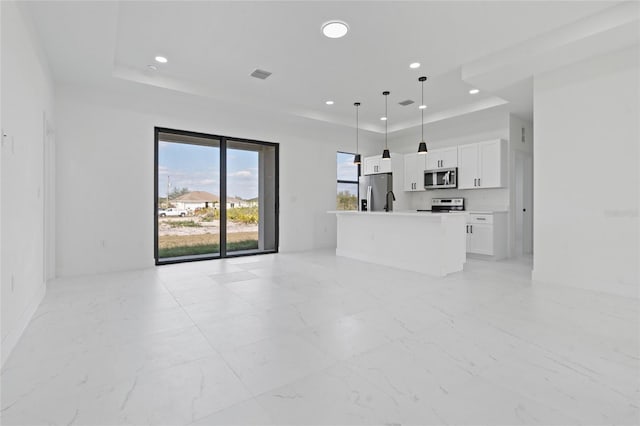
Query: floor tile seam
x=134, y=340
x=165, y=284
x=485, y=376
x=584, y=332
x=384, y=390
x=313, y=372
x=555, y=355
x=250, y=398
x=204, y=336
x=221, y=355
x=253, y=303
x=143, y=316
x=522, y=395
x=132, y=343
x=113, y=384
x=376, y=347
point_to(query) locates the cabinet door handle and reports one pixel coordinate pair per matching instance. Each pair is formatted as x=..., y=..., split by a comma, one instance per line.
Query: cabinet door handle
x=471, y=228
x=467, y=229
x=478, y=181
x=474, y=181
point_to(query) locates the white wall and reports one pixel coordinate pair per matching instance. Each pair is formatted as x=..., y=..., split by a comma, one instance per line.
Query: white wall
x=105, y=171
x=27, y=98
x=586, y=173
x=474, y=127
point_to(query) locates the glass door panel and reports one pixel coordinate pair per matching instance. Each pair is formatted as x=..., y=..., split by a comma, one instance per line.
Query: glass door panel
x=188, y=197
x=250, y=197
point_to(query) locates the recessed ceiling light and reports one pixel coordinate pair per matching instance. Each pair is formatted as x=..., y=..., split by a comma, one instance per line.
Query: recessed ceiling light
x=473, y=91
x=383, y=118
x=329, y=102
x=422, y=107
x=161, y=59
x=335, y=29
x=414, y=65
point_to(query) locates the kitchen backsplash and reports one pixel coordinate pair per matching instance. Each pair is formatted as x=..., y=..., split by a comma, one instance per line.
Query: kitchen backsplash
x=475, y=199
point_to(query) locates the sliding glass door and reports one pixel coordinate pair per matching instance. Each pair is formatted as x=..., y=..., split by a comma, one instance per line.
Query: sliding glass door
x=251, y=197
x=214, y=196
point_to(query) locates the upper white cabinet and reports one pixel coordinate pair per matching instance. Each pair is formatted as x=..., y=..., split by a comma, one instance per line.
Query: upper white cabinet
x=482, y=165
x=442, y=158
x=376, y=164
x=414, y=167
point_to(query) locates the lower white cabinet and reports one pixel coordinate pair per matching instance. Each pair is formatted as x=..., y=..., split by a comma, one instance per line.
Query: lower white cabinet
x=487, y=234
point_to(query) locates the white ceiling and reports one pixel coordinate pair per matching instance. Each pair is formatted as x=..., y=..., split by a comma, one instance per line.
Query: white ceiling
x=212, y=48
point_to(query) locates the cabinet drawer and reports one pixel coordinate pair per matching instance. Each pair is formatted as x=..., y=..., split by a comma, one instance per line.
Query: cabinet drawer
x=480, y=218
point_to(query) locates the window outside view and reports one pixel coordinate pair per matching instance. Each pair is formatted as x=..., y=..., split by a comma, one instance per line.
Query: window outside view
x=189, y=199
x=347, y=189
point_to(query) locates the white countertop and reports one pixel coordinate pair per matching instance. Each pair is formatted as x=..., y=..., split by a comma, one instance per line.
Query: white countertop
x=397, y=213
x=487, y=211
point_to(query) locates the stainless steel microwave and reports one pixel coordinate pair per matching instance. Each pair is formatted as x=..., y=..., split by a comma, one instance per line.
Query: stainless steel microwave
x=441, y=178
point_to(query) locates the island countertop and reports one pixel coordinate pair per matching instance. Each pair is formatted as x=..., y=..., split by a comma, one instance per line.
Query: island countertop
x=398, y=213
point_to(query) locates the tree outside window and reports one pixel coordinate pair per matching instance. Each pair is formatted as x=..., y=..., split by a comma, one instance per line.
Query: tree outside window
x=347, y=182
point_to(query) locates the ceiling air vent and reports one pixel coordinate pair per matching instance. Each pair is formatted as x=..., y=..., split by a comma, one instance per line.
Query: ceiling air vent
x=261, y=74
x=407, y=102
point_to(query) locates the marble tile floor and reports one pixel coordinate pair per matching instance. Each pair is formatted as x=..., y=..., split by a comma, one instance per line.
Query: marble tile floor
x=311, y=338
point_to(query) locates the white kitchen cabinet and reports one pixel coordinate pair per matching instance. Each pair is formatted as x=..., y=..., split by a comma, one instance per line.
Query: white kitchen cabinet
x=445, y=158
x=487, y=234
x=376, y=164
x=482, y=165
x=414, y=167
x=468, y=168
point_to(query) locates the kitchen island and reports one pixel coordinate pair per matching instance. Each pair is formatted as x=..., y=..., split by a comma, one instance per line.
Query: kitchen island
x=432, y=243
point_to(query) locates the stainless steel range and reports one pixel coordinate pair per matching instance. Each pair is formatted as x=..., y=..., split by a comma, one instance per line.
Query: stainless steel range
x=447, y=205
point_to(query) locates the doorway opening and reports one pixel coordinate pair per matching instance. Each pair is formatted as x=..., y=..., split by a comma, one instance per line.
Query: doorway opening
x=523, y=203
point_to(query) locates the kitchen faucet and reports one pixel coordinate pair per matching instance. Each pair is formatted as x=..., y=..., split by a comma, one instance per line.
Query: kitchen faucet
x=386, y=198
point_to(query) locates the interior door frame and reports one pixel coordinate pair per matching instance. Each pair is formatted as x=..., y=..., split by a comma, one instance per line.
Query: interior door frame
x=223, y=196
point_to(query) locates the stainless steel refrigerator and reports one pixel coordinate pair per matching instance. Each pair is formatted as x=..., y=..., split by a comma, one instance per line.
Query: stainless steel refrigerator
x=377, y=191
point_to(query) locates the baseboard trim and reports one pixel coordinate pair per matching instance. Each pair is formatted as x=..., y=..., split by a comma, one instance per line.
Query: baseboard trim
x=12, y=339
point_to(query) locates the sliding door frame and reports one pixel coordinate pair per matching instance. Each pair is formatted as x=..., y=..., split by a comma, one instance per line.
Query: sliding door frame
x=223, y=195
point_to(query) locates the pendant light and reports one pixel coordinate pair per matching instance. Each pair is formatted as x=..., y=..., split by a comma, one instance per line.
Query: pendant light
x=385, y=153
x=422, y=146
x=356, y=158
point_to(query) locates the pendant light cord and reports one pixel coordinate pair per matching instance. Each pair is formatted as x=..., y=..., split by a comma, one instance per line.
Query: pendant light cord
x=357, y=126
x=386, y=122
x=422, y=112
